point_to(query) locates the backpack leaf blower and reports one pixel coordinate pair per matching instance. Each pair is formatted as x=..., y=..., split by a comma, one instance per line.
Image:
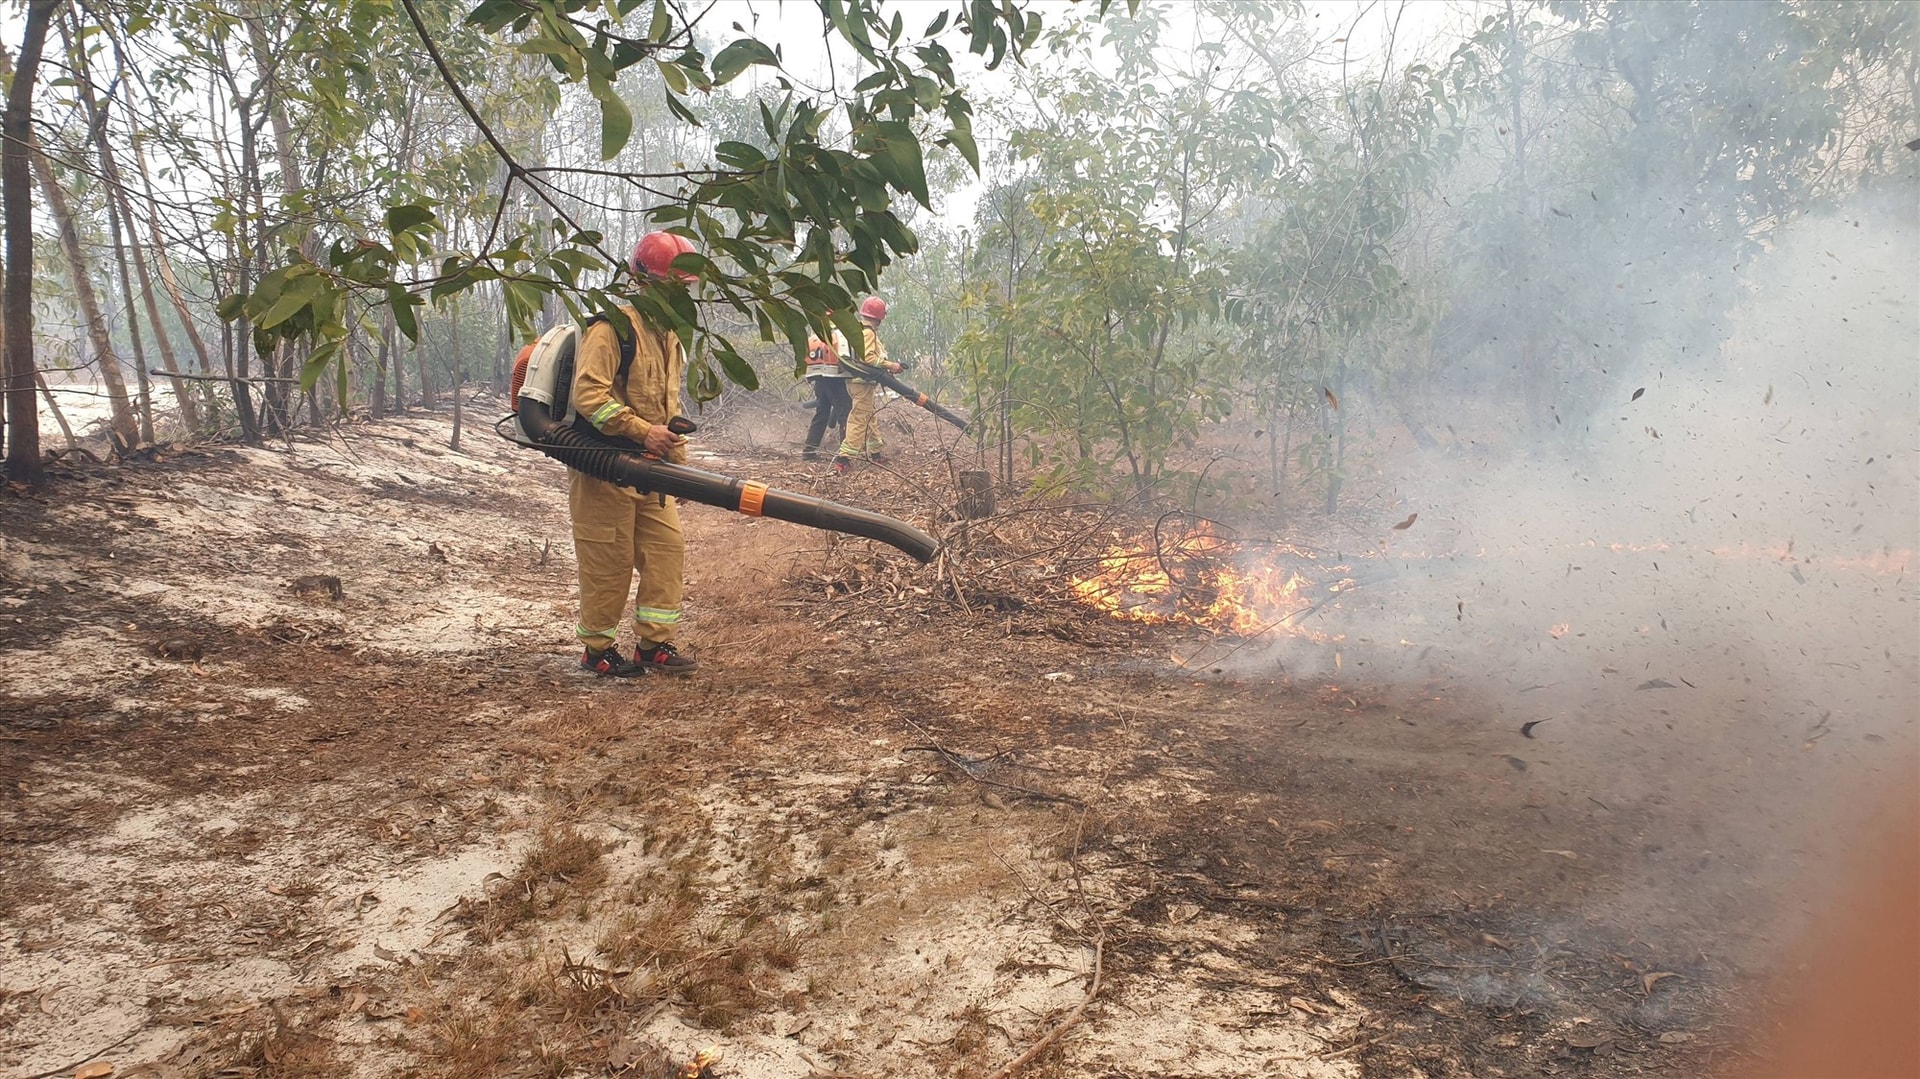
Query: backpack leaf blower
x=543, y=419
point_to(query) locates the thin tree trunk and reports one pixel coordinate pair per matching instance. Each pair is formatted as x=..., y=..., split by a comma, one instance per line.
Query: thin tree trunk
x=380, y=357
x=163, y=265
x=457, y=387
x=133, y=322
x=189, y=408
x=97, y=125
x=124, y=430
x=292, y=184
x=426, y=376
x=53, y=406
x=399, y=369
x=22, y=423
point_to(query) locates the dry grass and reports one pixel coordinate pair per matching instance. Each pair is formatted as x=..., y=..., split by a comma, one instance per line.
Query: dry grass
x=269, y=1043
x=559, y=872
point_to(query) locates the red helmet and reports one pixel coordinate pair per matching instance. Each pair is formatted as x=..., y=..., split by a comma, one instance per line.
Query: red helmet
x=874, y=309
x=654, y=255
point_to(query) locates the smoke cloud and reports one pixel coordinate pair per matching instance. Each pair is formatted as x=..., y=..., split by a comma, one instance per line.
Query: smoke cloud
x=1702, y=604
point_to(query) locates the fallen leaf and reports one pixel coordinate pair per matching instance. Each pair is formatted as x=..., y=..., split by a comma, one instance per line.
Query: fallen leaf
x=1332, y=401
x=1058, y=676
x=1182, y=912
x=1567, y=854
x=1406, y=524
x=1656, y=683
x=1653, y=978
x=1514, y=762
x=1526, y=729
x=1637, y=393
x=99, y=1069
x=1675, y=1037
x=1767, y=400
x=389, y=956
x=1308, y=1006
x=1588, y=1039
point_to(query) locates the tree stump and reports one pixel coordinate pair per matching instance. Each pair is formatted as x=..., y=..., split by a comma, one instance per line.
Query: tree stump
x=976, y=495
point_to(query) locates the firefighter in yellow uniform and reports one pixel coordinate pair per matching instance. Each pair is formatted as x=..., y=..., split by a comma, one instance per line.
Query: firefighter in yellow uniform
x=863, y=435
x=618, y=531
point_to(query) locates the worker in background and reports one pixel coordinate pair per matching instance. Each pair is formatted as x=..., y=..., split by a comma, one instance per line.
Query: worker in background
x=863, y=435
x=829, y=380
x=617, y=531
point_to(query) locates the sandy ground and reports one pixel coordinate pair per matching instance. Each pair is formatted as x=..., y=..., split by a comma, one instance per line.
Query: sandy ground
x=250, y=828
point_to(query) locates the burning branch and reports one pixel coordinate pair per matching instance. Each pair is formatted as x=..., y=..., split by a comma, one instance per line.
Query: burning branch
x=1206, y=579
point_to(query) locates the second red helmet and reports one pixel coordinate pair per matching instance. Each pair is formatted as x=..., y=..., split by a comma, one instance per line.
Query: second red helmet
x=873, y=308
x=655, y=252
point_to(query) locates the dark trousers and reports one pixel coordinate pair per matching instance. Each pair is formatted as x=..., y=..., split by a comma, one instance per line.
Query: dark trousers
x=831, y=411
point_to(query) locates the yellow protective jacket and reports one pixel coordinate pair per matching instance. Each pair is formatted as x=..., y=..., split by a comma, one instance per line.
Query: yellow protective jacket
x=651, y=392
x=872, y=355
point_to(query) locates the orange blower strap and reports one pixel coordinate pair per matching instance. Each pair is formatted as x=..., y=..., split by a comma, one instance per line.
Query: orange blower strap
x=753, y=497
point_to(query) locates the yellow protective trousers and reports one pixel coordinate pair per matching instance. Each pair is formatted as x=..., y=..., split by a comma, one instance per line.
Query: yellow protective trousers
x=863, y=435
x=616, y=532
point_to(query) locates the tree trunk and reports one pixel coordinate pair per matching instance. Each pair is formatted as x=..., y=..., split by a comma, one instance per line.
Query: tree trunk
x=292, y=185
x=53, y=407
x=109, y=172
x=133, y=322
x=426, y=376
x=399, y=368
x=163, y=265
x=125, y=432
x=16, y=192
x=381, y=355
x=457, y=387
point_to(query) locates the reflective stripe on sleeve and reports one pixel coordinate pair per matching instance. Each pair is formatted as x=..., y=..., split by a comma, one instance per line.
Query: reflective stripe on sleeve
x=604, y=413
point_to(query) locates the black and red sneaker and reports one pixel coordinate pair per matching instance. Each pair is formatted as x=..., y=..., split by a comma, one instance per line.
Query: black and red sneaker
x=609, y=663
x=842, y=465
x=879, y=458
x=663, y=657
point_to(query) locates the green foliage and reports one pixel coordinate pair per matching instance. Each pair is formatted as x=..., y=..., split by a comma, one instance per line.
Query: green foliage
x=792, y=225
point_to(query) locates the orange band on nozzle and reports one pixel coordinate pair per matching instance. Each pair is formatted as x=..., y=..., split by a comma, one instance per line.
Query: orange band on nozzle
x=922, y=402
x=753, y=496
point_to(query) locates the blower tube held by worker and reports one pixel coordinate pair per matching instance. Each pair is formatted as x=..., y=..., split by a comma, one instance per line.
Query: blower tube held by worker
x=627, y=466
x=874, y=374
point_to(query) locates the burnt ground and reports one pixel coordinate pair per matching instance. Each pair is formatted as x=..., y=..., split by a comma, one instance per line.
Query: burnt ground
x=249, y=830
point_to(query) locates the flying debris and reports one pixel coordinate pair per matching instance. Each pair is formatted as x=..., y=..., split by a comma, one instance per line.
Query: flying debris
x=1637, y=393
x=1406, y=524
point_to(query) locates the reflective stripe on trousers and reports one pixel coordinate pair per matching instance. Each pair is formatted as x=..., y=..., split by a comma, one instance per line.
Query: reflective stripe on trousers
x=618, y=534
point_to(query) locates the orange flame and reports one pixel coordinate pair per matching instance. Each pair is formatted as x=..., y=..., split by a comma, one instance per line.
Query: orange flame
x=1196, y=580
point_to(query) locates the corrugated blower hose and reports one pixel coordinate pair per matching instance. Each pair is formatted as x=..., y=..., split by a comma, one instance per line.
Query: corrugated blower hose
x=543, y=419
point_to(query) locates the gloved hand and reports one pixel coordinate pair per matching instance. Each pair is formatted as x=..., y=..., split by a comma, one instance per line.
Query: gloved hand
x=660, y=441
